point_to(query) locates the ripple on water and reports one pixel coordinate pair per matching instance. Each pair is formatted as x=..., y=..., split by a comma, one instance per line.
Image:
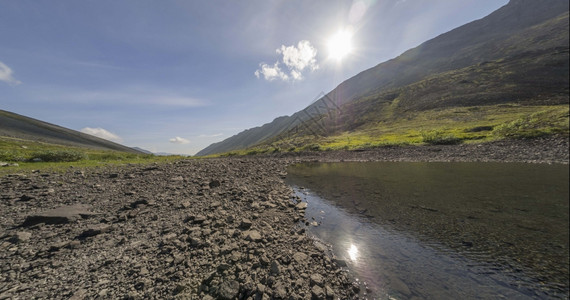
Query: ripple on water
x=402, y=264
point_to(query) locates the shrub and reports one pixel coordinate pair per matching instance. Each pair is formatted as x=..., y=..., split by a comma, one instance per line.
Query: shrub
x=533, y=125
x=58, y=156
x=11, y=156
x=253, y=152
x=438, y=137
x=312, y=147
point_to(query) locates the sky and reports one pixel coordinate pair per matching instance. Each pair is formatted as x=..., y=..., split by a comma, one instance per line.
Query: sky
x=175, y=76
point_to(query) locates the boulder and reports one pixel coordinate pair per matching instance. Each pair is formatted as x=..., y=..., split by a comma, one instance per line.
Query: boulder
x=20, y=237
x=253, y=235
x=228, y=290
x=60, y=215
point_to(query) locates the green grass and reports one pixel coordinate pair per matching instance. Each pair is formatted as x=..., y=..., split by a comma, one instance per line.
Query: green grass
x=439, y=126
x=31, y=155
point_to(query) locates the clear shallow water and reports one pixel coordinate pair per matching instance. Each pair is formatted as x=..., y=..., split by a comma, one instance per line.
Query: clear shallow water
x=443, y=230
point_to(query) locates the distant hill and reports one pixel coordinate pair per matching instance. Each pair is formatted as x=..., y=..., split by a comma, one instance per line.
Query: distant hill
x=142, y=150
x=17, y=126
x=517, y=54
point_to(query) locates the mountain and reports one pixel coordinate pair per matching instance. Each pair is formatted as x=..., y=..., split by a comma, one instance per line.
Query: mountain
x=521, y=49
x=21, y=127
x=142, y=150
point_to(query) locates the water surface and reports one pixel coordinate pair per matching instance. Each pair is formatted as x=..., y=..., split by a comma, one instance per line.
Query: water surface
x=444, y=230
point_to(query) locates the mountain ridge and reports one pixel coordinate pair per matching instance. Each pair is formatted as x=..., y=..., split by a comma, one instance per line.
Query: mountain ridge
x=14, y=125
x=477, y=42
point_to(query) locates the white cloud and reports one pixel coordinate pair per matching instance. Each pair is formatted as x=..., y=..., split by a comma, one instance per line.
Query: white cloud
x=6, y=75
x=179, y=140
x=102, y=133
x=271, y=72
x=300, y=57
x=296, y=58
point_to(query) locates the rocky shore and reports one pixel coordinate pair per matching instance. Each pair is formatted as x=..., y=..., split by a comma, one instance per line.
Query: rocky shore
x=224, y=228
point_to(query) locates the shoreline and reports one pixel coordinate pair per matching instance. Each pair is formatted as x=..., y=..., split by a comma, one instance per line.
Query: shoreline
x=553, y=149
x=212, y=228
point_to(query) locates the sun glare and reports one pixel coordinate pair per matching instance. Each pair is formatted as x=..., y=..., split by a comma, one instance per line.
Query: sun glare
x=353, y=252
x=340, y=44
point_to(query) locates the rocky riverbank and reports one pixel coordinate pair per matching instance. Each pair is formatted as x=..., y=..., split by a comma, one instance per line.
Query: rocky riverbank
x=552, y=149
x=195, y=229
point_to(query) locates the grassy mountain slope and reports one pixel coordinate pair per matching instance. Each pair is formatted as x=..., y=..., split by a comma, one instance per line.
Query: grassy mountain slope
x=14, y=126
x=517, y=55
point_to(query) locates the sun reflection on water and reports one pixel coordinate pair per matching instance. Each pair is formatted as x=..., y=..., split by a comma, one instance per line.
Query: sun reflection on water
x=353, y=252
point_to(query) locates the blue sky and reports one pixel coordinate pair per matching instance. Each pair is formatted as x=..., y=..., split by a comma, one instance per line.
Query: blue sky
x=176, y=76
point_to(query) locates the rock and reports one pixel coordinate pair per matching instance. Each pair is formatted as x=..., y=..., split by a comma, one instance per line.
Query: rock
x=317, y=279
x=228, y=290
x=300, y=257
x=179, y=288
x=301, y=205
x=280, y=292
x=73, y=245
x=177, y=179
x=330, y=292
x=60, y=215
x=275, y=268
x=245, y=224
x=222, y=267
x=253, y=235
x=317, y=293
x=341, y=262
x=214, y=183
x=140, y=202
x=95, y=230
x=199, y=219
x=20, y=237
x=399, y=286
x=24, y=198
x=322, y=247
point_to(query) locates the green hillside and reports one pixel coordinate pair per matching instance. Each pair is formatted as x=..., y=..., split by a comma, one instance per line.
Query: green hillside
x=504, y=76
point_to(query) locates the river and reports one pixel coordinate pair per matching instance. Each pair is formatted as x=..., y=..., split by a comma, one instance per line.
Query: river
x=443, y=230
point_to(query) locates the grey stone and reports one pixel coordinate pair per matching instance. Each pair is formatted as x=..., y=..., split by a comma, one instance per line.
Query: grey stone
x=317, y=279
x=214, y=183
x=275, y=268
x=26, y=198
x=228, y=290
x=317, y=293
x=330, y=292
x=21, y=236
x=301, y=205
x=177, y=178
x=253, y=235
x=199, y=219
x=300, y=257
x=341, y=262
x=280, y=292
x=399, y=286
x=60, y=215
x=95, y=230
x=245, y=224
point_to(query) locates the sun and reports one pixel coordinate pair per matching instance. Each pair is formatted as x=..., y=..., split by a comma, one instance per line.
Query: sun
x=340, y=44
